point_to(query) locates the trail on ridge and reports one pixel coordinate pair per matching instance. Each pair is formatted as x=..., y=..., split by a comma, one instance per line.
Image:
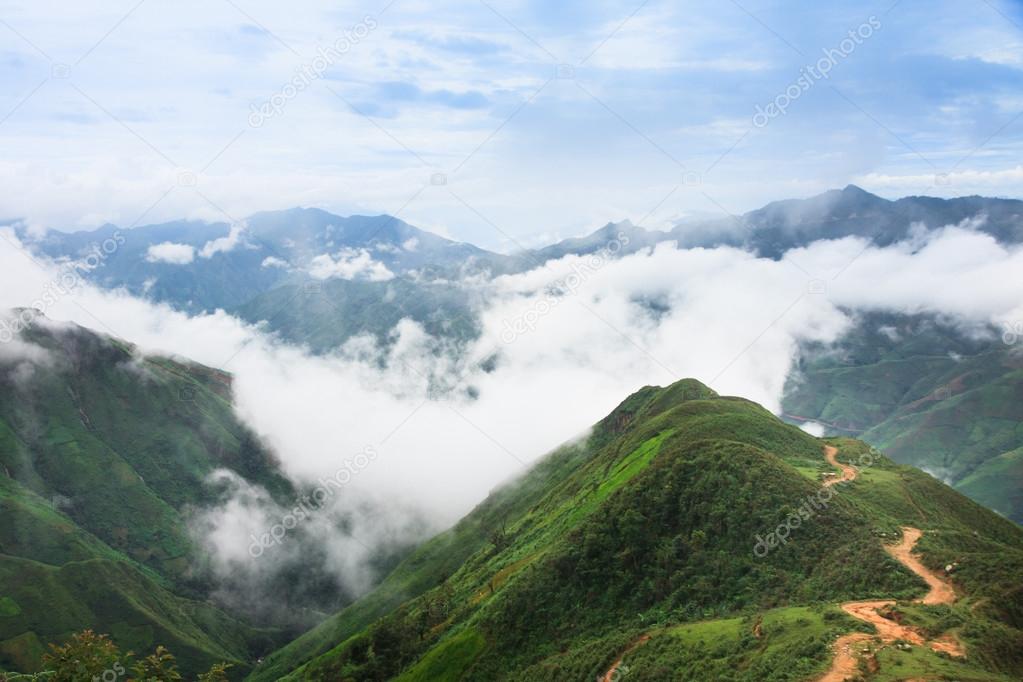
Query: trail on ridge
x=848, y=472
x=845, y=663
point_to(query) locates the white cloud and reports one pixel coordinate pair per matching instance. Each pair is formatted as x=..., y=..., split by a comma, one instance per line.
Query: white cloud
x=169, y=252
x=349, y=264
x=813, y=428
x=274, y=262
x=223, y=244
x=410, y=244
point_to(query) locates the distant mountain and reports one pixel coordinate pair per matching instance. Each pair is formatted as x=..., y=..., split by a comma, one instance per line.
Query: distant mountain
x=927, y=393
x=792, y=223
x=199, y=266
x=612, y=240
x=650, y=549
x=782, y=225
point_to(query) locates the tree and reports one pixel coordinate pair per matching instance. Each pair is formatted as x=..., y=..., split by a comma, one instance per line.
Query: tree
x=88, y=656
x=218, y=673
x=85, y=656
x=159, y=666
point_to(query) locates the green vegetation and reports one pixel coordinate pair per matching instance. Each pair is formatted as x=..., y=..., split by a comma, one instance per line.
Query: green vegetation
x=780, y=644
x=640, y=541
x=89, y=656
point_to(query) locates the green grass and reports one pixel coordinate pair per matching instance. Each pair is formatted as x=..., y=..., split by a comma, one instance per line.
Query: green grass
x=448, y=661
x=895, y=665
x=794, y=644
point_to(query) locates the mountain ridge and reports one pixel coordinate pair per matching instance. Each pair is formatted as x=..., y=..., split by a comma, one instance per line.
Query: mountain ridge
x=648, y=530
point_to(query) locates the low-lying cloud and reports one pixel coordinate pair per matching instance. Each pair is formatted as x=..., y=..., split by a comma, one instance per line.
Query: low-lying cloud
x=169, y=252
x=723, y=316
x=349, y=264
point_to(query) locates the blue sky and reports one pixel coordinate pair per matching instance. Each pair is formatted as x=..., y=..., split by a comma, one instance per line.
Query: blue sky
x=502, y=122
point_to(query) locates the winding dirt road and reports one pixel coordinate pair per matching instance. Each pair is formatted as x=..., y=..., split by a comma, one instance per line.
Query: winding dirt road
x=845, y=664
x=848, y=472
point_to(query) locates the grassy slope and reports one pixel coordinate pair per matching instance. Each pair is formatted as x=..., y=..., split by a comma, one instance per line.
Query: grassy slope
x=123, y=444
x=100, y=455
x=649, y=528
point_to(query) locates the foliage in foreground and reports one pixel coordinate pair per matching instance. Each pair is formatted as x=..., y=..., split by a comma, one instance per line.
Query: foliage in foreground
x=91, y=656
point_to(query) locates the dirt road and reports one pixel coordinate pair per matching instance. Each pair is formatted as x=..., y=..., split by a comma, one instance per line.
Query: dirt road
x=941, y=592
x=845, y=663
x=848, y=472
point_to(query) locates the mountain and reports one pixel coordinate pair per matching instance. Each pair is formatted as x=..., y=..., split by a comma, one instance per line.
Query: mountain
x=255, y=265
x=782, y=225
x=614, y=239
x=654, y=548
x=929, y=394
x=106, y=458
x=197, y=266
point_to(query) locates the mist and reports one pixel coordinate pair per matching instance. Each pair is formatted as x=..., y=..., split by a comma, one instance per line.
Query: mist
x=561, y=346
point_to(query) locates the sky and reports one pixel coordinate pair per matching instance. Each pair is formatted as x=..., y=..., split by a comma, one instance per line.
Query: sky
x=506, y=123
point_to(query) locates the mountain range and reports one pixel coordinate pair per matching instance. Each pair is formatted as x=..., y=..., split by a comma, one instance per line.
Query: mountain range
x=203, y=266
x=319, y=280
x=688, y=535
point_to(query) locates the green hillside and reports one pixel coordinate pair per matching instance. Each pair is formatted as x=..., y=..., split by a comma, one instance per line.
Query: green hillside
x=929, y=396
x=102, y=455
x=644, y=541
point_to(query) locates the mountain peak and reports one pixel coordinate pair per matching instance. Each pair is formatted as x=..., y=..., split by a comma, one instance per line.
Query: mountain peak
x=856, y=190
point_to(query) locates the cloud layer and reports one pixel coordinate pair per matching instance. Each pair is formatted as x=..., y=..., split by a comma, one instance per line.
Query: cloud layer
x=588, y=332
